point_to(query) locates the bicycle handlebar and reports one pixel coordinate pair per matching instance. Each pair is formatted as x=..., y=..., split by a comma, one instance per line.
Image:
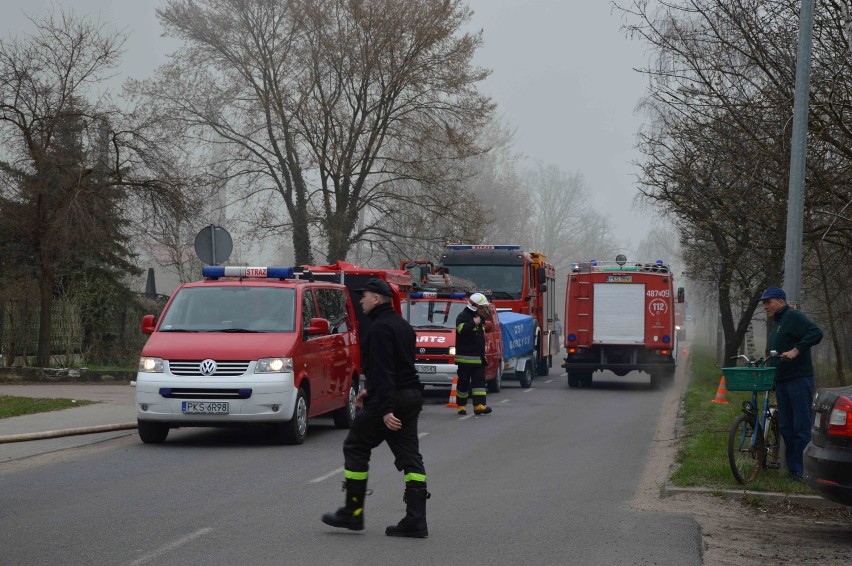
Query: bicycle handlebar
x=759, y=361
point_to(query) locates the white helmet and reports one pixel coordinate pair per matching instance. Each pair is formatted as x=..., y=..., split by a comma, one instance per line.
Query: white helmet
x=477, y=300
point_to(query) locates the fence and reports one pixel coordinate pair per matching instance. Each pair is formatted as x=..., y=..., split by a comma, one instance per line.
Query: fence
x=116, y=340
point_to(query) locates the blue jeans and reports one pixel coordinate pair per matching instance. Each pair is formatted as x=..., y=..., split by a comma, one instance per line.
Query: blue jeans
x=794, y=396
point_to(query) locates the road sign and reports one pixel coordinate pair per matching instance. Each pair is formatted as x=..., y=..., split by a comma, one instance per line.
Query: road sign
x=214, y=245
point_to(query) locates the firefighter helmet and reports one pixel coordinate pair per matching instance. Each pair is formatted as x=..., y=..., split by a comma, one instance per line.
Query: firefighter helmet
x=477, y=300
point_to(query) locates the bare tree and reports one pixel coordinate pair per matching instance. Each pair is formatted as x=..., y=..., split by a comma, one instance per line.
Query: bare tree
x=717, y=150
x=69, y=159
x=347, y=111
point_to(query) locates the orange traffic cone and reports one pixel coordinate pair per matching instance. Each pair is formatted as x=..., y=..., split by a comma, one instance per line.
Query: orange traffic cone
x=721, y=393
x=452, y=404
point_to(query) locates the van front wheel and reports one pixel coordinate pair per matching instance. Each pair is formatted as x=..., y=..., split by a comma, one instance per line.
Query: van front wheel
x=152, y=432
x=295, y=430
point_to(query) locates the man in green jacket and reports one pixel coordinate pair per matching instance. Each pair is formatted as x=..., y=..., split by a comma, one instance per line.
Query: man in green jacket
x=792, y=335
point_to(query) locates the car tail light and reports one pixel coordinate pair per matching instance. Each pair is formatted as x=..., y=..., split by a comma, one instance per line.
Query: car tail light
x=840, y=420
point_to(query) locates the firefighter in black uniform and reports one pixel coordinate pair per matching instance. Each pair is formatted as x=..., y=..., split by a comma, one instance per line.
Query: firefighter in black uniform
x=391, y=403
x=470, y=355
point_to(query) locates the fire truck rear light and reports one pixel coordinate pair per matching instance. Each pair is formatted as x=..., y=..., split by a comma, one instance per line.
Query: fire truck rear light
x=665, y=352
x=572, y=350
x=840, y=420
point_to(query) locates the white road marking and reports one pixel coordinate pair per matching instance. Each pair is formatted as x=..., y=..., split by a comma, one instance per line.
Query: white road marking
x=422, y=434
x=151, y=556
x=504, y=400
x=528, y=389
x=549, y=381
x=328, y=475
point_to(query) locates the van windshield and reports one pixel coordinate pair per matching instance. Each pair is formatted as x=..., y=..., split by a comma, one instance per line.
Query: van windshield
x=231, y=309
x=439, y=313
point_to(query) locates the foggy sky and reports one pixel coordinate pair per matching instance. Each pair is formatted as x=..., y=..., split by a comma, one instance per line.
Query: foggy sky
x=562, y=77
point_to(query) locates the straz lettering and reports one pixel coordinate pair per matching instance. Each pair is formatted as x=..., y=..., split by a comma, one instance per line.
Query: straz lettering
x=619, y=279
x=255, y=272
x=431, y=339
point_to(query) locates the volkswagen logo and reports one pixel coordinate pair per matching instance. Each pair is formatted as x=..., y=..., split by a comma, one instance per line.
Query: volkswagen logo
x=422, y=350
x=207, y=367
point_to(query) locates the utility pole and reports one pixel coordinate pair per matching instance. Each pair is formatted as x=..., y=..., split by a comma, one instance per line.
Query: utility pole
x=798, y=154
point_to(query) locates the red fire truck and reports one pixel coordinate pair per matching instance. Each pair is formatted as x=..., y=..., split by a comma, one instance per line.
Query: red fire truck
x=620, y=318
x=521, y=281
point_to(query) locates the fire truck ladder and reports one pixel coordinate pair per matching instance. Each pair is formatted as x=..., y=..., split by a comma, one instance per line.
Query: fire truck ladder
x=584, y=304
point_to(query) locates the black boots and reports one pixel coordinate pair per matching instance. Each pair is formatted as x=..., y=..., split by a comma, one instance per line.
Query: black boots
x=414, y=523
x=352, y=515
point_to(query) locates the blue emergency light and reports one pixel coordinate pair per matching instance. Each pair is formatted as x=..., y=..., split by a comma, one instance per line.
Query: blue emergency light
x=436, y=295
x=483, y=247
x=216, y=271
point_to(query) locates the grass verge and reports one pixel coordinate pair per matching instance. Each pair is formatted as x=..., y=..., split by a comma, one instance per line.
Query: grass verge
x=703, y=456
x=17, y=406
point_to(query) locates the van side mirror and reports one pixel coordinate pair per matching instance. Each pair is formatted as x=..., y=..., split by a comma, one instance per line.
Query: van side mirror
x=542, y=274
x=318, y=327
x=681, y=295
x=148, y=323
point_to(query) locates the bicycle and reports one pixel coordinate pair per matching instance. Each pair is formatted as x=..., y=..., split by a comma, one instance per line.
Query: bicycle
x=754, y=442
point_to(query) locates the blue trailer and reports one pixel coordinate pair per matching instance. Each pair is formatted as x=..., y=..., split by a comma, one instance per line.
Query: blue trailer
x=518, y=332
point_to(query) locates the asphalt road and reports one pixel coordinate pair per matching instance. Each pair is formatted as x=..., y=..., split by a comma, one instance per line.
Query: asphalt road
x=546, y=479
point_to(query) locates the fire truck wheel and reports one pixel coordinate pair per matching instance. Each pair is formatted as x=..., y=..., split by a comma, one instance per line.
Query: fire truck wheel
x=496, y=384
x=586, y=379
x=573, y=379
x=345, y=416
x=544, y=365
x=295, y=430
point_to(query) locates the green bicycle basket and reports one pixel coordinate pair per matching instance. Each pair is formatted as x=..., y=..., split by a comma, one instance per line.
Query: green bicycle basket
x=749, y=378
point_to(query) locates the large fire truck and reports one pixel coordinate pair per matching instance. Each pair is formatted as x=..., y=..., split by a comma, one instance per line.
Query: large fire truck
x=621, y=318
x=520, y=281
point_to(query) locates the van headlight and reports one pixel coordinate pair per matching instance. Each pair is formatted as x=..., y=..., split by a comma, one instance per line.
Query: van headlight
x=274, y=365
x=150, y=365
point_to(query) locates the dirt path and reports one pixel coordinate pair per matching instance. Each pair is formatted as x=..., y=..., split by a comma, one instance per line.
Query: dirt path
x=735, y=532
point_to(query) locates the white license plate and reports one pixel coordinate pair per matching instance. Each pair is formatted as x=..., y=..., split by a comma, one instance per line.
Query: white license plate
x=204, y=407
x=424, y=369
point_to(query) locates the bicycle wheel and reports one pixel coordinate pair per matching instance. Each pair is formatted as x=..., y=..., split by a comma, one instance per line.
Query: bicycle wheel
x=773, y=443
x=746, y=461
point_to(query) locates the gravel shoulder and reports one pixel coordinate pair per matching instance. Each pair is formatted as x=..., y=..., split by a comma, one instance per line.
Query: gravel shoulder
x=737, y=528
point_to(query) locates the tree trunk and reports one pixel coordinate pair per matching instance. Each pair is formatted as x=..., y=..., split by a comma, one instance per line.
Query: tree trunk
x=338, y=238
x=829, y=309
x=45, y=326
